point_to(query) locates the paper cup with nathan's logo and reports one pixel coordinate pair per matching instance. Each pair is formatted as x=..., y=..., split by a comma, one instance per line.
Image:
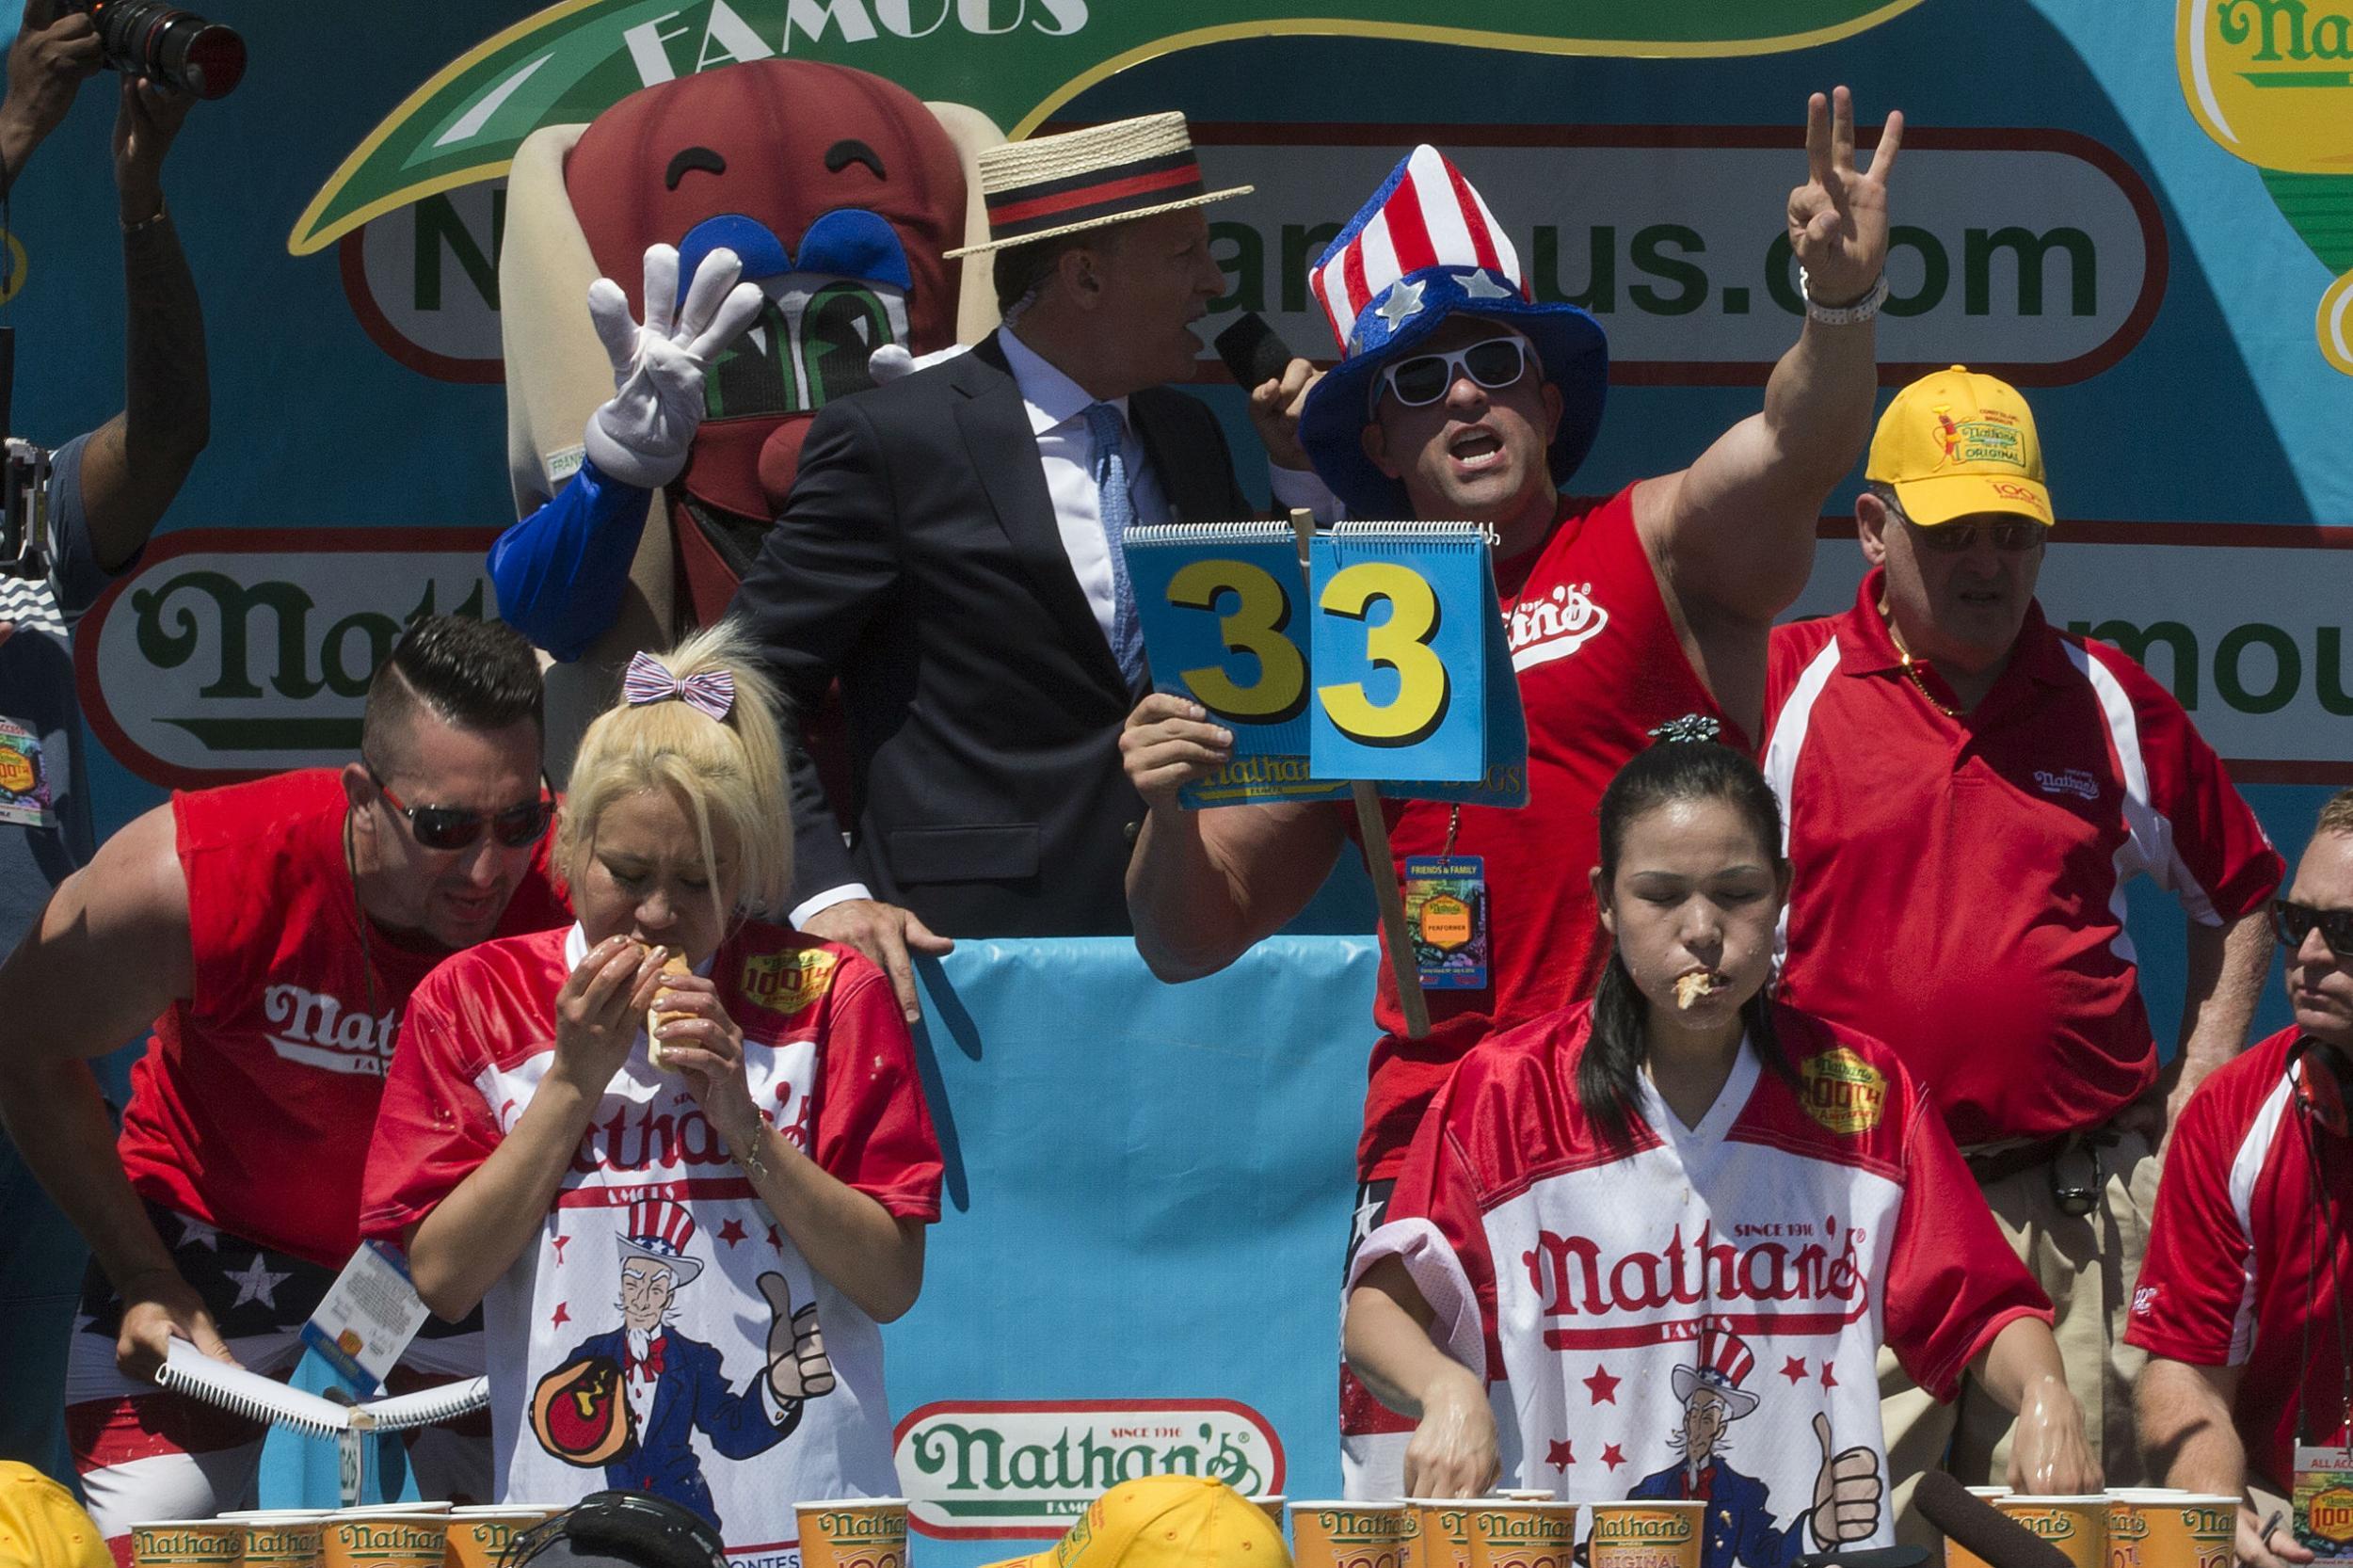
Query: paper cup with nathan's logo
x=1438, y=1530
x=187, y=1543
x=1521, y=1532
x=1958, y=1556
x=383, y=1537
x=2078, y=1526
x=281, y=1537
x=1647, y=1534
x=1341, y=1534
x=479, y=1536
x=2152, y=1527
x=854, y=1532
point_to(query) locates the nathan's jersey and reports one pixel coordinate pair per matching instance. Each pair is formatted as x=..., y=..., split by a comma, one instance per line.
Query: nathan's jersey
x=1763, y=1257
x=251, y=1109
x=1599, y=667
x=2247, y=1260
x=631, y=1345
x=1989, y=854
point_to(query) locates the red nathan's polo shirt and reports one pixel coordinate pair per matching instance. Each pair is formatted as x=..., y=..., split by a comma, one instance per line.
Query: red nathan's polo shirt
x=2242, y=1254
x=1959, y=882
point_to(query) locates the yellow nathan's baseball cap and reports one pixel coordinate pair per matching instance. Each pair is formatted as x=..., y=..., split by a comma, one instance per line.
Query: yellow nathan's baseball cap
x=1958, y=443
x=1166, y=1522
x=43, y=1527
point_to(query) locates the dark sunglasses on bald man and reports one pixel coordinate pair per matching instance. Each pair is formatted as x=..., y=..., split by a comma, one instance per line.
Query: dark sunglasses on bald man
x=1420, y=380
x=2011, y=536
x=2295, y=921
x=454, y=827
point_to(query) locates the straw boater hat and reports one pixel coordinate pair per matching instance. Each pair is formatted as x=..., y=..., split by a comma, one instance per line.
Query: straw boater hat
x=1104, y=174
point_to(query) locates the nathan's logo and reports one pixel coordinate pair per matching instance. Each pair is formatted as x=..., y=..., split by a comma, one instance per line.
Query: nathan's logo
x=2067, y=781
x=2271, y=81
x=320, y=1031
x=1754, y=1285
x=1842, y=1091
x=788, y=981
x=2331, y=1513
x=1555, y=625
x=1022, y=1470
x=2127, y=1524
x=234, y=653
x=2050, y=1523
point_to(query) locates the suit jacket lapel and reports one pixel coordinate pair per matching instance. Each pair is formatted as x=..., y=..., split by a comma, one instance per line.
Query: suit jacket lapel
x=996, y=427
x=1194, y=491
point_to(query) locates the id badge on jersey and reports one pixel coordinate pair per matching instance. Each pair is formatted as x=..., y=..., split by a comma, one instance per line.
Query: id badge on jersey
x=24, y=797
x=2324, y=1503
x=1446, y=909
x=367, y=1319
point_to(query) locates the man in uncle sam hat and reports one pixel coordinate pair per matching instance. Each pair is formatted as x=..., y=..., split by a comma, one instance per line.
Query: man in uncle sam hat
x=1458, y=396
x=951, y=551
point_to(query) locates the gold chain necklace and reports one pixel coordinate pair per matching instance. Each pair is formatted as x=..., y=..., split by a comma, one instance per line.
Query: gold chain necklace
x=1912, y=669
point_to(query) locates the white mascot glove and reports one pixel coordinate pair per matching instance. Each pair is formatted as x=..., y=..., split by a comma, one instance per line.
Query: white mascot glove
x=640, y=438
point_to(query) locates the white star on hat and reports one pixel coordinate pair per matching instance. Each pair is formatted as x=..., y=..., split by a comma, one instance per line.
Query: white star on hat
x=1404, y=300
x=256, y=1283
x=1480, y=287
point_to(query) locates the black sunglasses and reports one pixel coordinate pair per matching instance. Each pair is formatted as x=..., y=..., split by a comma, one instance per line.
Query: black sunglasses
x=455, y=827
x=2295, y=921
x=2012, y=537
x=1421, y=380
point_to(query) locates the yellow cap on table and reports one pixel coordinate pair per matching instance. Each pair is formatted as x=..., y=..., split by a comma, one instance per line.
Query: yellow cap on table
x=1166, y=1522
x=1956, y=443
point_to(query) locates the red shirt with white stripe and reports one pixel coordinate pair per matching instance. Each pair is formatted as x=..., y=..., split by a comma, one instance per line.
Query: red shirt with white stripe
x=1809, y=1221
x=250, y=1109
x=2243, y=1256
x=1959, y=882
x=1599, y=667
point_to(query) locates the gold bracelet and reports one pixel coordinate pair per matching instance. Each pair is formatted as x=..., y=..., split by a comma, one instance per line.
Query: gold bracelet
x=752, y=1158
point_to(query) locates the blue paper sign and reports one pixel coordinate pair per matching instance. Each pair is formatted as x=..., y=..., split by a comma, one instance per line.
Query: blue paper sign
x=1388, y=665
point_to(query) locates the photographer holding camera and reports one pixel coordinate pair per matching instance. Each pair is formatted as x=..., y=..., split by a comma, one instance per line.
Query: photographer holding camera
x=70, y=530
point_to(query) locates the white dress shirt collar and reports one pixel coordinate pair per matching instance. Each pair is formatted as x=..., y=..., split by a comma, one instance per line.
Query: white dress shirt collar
x=1050, y=397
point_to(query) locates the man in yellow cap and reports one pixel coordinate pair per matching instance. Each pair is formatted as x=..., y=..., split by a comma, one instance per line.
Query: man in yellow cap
x=1166, y=1522
x=1967, y=791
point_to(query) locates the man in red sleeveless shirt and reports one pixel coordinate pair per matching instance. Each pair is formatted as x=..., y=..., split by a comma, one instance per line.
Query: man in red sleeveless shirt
x=272, y=931
x=1459, y=398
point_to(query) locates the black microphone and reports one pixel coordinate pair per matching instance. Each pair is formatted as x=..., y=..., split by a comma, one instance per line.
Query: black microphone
x=1981, y=1528
x=1253, y=351
x=1865, y=1557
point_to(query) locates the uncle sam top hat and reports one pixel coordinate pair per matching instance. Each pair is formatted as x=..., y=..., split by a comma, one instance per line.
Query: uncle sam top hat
x=1725, y=1361
x=1425, y=246
x=1087, y=179
x=659, y=1230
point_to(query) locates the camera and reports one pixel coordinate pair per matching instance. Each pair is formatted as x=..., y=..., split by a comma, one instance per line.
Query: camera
x=25, y=548
x=167, y=46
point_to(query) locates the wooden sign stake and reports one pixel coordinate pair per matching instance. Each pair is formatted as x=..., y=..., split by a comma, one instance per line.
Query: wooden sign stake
x=1372, y=829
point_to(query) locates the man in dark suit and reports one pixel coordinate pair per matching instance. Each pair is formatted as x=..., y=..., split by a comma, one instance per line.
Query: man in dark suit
x=949, y=553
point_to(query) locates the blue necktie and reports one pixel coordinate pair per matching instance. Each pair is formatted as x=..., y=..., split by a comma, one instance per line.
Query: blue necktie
x=1110, y=469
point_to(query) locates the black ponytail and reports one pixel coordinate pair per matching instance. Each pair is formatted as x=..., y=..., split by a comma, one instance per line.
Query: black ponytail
x=1609, y=1075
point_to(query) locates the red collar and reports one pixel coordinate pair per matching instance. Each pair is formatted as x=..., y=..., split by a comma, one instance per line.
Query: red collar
x=1867, y=647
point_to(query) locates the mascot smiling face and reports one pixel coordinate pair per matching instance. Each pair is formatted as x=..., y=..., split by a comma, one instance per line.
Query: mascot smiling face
x=837, y=189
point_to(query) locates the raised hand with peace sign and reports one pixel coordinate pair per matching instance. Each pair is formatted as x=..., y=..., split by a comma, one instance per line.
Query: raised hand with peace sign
x=1838, y=218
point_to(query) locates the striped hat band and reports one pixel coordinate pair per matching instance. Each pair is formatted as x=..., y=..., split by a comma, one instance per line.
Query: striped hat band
x=1088, y=178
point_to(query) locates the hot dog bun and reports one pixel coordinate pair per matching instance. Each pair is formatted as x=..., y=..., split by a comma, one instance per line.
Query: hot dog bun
x=673, y=965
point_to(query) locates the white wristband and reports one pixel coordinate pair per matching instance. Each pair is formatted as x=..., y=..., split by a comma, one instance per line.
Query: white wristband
x=1844, y=316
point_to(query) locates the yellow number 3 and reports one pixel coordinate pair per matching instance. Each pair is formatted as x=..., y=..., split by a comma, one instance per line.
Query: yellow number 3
x=1255, y=627
x=1401, y=643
